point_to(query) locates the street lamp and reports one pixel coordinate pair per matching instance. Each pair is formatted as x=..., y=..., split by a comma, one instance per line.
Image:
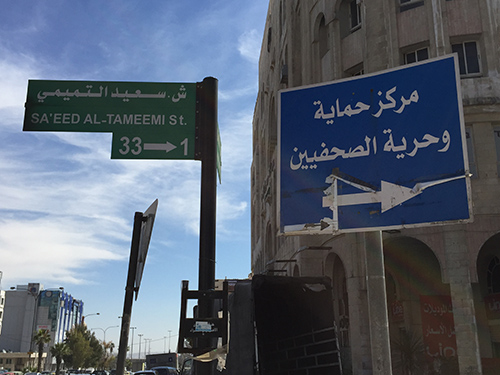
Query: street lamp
x=140, y=337
x=149, y=346
x=132, y=345
x=83, y=317
x=104, y=330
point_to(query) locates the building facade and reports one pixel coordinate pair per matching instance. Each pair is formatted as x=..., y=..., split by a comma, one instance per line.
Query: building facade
x=29, y=308
x=312, y=41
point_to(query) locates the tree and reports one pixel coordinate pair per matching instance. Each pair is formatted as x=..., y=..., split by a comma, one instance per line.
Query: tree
x=59, y=351
x=107, y=358
x=85, y=350
x=97, y=351
x=41, y=338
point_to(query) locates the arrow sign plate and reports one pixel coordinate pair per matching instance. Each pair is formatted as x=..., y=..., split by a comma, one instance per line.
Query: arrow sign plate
x=398, y=136
x=153, y=142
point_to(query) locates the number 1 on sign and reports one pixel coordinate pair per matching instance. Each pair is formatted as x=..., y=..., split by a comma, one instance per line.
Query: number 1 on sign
x=185, y=144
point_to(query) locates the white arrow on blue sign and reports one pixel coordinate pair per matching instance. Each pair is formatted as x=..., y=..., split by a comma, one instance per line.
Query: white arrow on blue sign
x=393, y=134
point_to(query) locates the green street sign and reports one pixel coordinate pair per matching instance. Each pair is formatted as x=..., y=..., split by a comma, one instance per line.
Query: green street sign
x=153, y=142
x=149, y=120
x=94, y=106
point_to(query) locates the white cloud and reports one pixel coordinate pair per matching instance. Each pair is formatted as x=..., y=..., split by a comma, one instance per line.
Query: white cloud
x=50, y=248
x=236, y=138
x=14, y=74
x=249, y=45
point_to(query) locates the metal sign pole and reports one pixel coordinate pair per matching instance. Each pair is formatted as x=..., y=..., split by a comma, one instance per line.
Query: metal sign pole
x=206, y=94
x=377, y=304
x=129, y=293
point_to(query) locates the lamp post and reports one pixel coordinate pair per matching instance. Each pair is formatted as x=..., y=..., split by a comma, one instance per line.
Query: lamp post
x=169, y=336
x=149, y=346
x=104, y=330
x=132, y=344
x=83, y=317
x=140, y=337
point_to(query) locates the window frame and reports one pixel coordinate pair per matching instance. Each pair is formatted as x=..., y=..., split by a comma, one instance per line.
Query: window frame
x=356, y=22
x=409, y=4
x=464, y=58
x=496, y=136
x=415, y=52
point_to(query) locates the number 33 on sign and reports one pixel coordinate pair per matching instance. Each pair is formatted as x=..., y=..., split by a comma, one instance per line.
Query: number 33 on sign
x=155, y=142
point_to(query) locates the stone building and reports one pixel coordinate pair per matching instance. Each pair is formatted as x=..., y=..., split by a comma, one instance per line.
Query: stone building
x=312, y=41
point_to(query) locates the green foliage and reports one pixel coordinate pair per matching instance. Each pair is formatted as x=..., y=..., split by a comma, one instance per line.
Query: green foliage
x=108, y=358
x=128, y=363
x=41, y=338
x=29, y=369
x=85, y=350
x=58, y=351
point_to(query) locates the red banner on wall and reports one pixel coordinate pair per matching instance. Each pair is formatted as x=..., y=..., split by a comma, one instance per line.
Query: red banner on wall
x=438, y=327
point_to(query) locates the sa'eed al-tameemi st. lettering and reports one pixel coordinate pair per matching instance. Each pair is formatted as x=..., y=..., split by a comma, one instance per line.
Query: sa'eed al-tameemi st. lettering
x=109, y=118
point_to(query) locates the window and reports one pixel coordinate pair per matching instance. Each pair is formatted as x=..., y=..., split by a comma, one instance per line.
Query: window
x=269, y=36
x=470, y=151
x=355, y=15
x=356, y=70
x=322, y=37
x=349, y=16
x=468, y=58
x=409, y=4
x=496, y=132
x=417, y=55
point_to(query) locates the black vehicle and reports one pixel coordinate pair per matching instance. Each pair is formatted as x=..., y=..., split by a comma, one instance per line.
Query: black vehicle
x=146, y=372
x=165, y=370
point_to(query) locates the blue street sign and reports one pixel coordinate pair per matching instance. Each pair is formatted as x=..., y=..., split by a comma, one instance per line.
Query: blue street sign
x=380, y=151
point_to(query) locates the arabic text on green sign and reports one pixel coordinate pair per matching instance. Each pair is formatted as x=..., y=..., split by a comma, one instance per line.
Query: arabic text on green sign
x=107, y=106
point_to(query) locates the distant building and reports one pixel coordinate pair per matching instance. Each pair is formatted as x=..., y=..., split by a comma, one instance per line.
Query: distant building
x=2, y=305
x=456, y=266
x=18, y=361
x=29, y=308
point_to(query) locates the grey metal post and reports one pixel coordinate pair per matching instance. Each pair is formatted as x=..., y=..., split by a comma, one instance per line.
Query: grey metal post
x=206, y=94
x=129, y=293
x=377, y=304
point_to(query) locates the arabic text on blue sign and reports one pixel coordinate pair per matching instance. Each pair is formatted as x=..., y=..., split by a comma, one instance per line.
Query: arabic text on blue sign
x=397, y=133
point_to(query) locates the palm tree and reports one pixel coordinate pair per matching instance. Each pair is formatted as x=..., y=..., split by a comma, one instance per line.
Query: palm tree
x=41, y=338
x=107, y=359
x=59, y=351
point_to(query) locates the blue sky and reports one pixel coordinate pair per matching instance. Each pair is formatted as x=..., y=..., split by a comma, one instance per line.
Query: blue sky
x=66, y=208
